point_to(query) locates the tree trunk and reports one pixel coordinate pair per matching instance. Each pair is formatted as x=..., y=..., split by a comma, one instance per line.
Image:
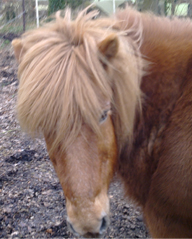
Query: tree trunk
x=23, y=7
x=173, y=7
x=189, y=14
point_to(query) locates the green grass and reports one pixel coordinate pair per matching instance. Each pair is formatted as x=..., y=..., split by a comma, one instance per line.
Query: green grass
x=11, y=28
x=4, y=44
x=16, y=28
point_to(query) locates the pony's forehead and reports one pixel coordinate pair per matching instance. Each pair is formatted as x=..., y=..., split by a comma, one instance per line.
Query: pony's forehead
x=85, y=24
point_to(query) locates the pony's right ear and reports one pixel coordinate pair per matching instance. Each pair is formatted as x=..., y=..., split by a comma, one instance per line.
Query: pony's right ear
x=109, y=46
x=18, y=49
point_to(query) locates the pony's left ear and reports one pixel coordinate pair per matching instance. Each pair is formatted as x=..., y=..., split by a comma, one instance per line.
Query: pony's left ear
x=109, y=46
x=17, y=47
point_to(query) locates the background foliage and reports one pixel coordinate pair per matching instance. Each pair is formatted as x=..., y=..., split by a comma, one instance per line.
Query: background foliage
x=16, y=18
x=55, y=5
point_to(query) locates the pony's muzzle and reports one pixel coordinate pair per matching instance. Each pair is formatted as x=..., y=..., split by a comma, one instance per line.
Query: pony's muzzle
x=100, y=228
x=88, y=218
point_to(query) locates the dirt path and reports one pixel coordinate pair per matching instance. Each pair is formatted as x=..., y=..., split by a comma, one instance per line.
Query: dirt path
x=32, y=203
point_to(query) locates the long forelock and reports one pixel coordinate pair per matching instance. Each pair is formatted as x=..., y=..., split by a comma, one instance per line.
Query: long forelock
x=61, y=77
x=63, y=83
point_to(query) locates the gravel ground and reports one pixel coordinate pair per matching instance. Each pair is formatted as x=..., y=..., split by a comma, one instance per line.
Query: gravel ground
x=32, y=204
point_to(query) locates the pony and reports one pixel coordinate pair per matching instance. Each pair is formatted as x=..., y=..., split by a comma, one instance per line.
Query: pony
x=113, y=95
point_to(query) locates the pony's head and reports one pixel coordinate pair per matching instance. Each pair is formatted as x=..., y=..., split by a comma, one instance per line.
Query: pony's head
x=79, y=86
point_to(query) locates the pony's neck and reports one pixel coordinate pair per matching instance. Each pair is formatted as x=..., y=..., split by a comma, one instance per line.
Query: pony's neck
x=167, y=45
x=159, y=33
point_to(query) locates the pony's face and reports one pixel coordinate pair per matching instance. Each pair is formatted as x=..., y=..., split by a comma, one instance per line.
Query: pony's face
x=85, y=170
x=86, y=166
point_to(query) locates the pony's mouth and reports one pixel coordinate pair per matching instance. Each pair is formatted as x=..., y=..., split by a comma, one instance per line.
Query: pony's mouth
x=87, y=235
x=71, y=229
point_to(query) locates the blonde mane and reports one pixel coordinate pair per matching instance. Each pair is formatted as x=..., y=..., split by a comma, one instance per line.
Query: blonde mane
x=63, y=83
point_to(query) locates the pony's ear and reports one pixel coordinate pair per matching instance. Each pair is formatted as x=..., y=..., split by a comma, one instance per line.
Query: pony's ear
x=18, y=49
x=109, y=46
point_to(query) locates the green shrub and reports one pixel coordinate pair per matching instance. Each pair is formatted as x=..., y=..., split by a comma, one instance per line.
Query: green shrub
x=55, y=5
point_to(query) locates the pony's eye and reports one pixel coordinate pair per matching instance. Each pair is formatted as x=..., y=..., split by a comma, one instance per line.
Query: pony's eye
x=104, y=116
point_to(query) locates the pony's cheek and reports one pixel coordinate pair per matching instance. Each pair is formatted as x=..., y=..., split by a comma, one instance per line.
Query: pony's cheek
x=108, y=146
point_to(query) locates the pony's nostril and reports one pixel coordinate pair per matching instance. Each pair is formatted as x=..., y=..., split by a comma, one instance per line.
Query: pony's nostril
x=104, y=224
x=71, y=228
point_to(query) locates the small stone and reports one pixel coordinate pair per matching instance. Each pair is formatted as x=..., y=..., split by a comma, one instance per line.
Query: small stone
x=22, y=224
x=14, y=233
x=49, y=230
x=132, y=226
